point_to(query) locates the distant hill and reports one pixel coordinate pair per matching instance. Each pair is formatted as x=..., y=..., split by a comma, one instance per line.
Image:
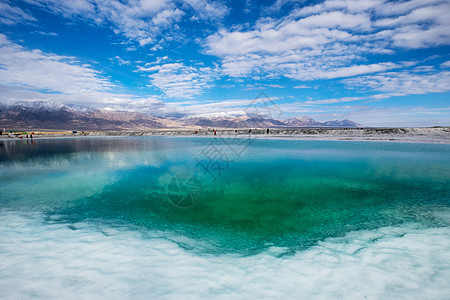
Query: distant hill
x=343, y=123
x=58, y=116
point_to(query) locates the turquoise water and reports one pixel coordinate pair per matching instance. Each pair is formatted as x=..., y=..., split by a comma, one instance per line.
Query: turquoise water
x=184, y=217
x=256, y=193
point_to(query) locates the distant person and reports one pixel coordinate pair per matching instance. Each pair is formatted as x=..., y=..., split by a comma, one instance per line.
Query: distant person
x=249, y=131
x=215, y=132
x=268, y=131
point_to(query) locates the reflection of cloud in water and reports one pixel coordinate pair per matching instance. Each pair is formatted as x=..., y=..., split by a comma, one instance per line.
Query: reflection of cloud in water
x=112, y=152
x=58, y=171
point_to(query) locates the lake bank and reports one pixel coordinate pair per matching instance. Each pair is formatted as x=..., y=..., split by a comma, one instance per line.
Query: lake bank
x=412, y=135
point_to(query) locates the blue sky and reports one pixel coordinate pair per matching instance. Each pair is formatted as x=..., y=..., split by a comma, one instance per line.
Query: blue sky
x=377, y=62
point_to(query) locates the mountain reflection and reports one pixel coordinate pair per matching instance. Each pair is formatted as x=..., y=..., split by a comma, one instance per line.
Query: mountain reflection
x=44, y=151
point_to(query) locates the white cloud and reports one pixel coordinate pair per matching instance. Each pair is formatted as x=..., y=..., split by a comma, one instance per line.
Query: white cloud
x=35, y=75
x=279, y=4
x=293, y=65
x=353, y=6
x=422, y=27
x=348, y=71
x=144, y=21
x=330, y=40
x=166, y=16
x=152, y=5
x=121, y=61
x=35, y=69
x=302, y=86
x=372, y=115
x=445, y=64
x=394, y=116
x=131, y=20
x=335, y=100
x=46, y=33
x=177, y=80
x=120, y=102
x=10, y=15
x=253, y=87
x=229, y=107
x=392, y=8
x=407, y=82
x=208, y=10
x=336, y=19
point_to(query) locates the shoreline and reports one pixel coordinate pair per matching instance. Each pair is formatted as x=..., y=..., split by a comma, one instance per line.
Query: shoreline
x=435, y=135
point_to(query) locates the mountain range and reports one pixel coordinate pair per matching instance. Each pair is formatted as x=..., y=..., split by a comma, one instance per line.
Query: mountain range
x=55, y=115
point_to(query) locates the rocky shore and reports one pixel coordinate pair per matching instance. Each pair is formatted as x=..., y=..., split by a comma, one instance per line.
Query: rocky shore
x=418, y=135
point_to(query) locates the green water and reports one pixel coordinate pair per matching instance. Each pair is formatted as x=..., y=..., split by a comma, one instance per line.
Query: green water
x=253, y=194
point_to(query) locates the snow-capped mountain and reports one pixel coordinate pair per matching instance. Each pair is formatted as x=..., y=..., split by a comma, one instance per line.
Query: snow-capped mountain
x=302, y=121
x=80, y=108
x=55, y=115
x=36, y=105
x=343, y=123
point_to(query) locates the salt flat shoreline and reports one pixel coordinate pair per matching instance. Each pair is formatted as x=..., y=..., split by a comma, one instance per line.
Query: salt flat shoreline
x=410, y=135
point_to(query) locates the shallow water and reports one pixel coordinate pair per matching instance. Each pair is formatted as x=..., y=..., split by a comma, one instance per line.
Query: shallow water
x=214, y=207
